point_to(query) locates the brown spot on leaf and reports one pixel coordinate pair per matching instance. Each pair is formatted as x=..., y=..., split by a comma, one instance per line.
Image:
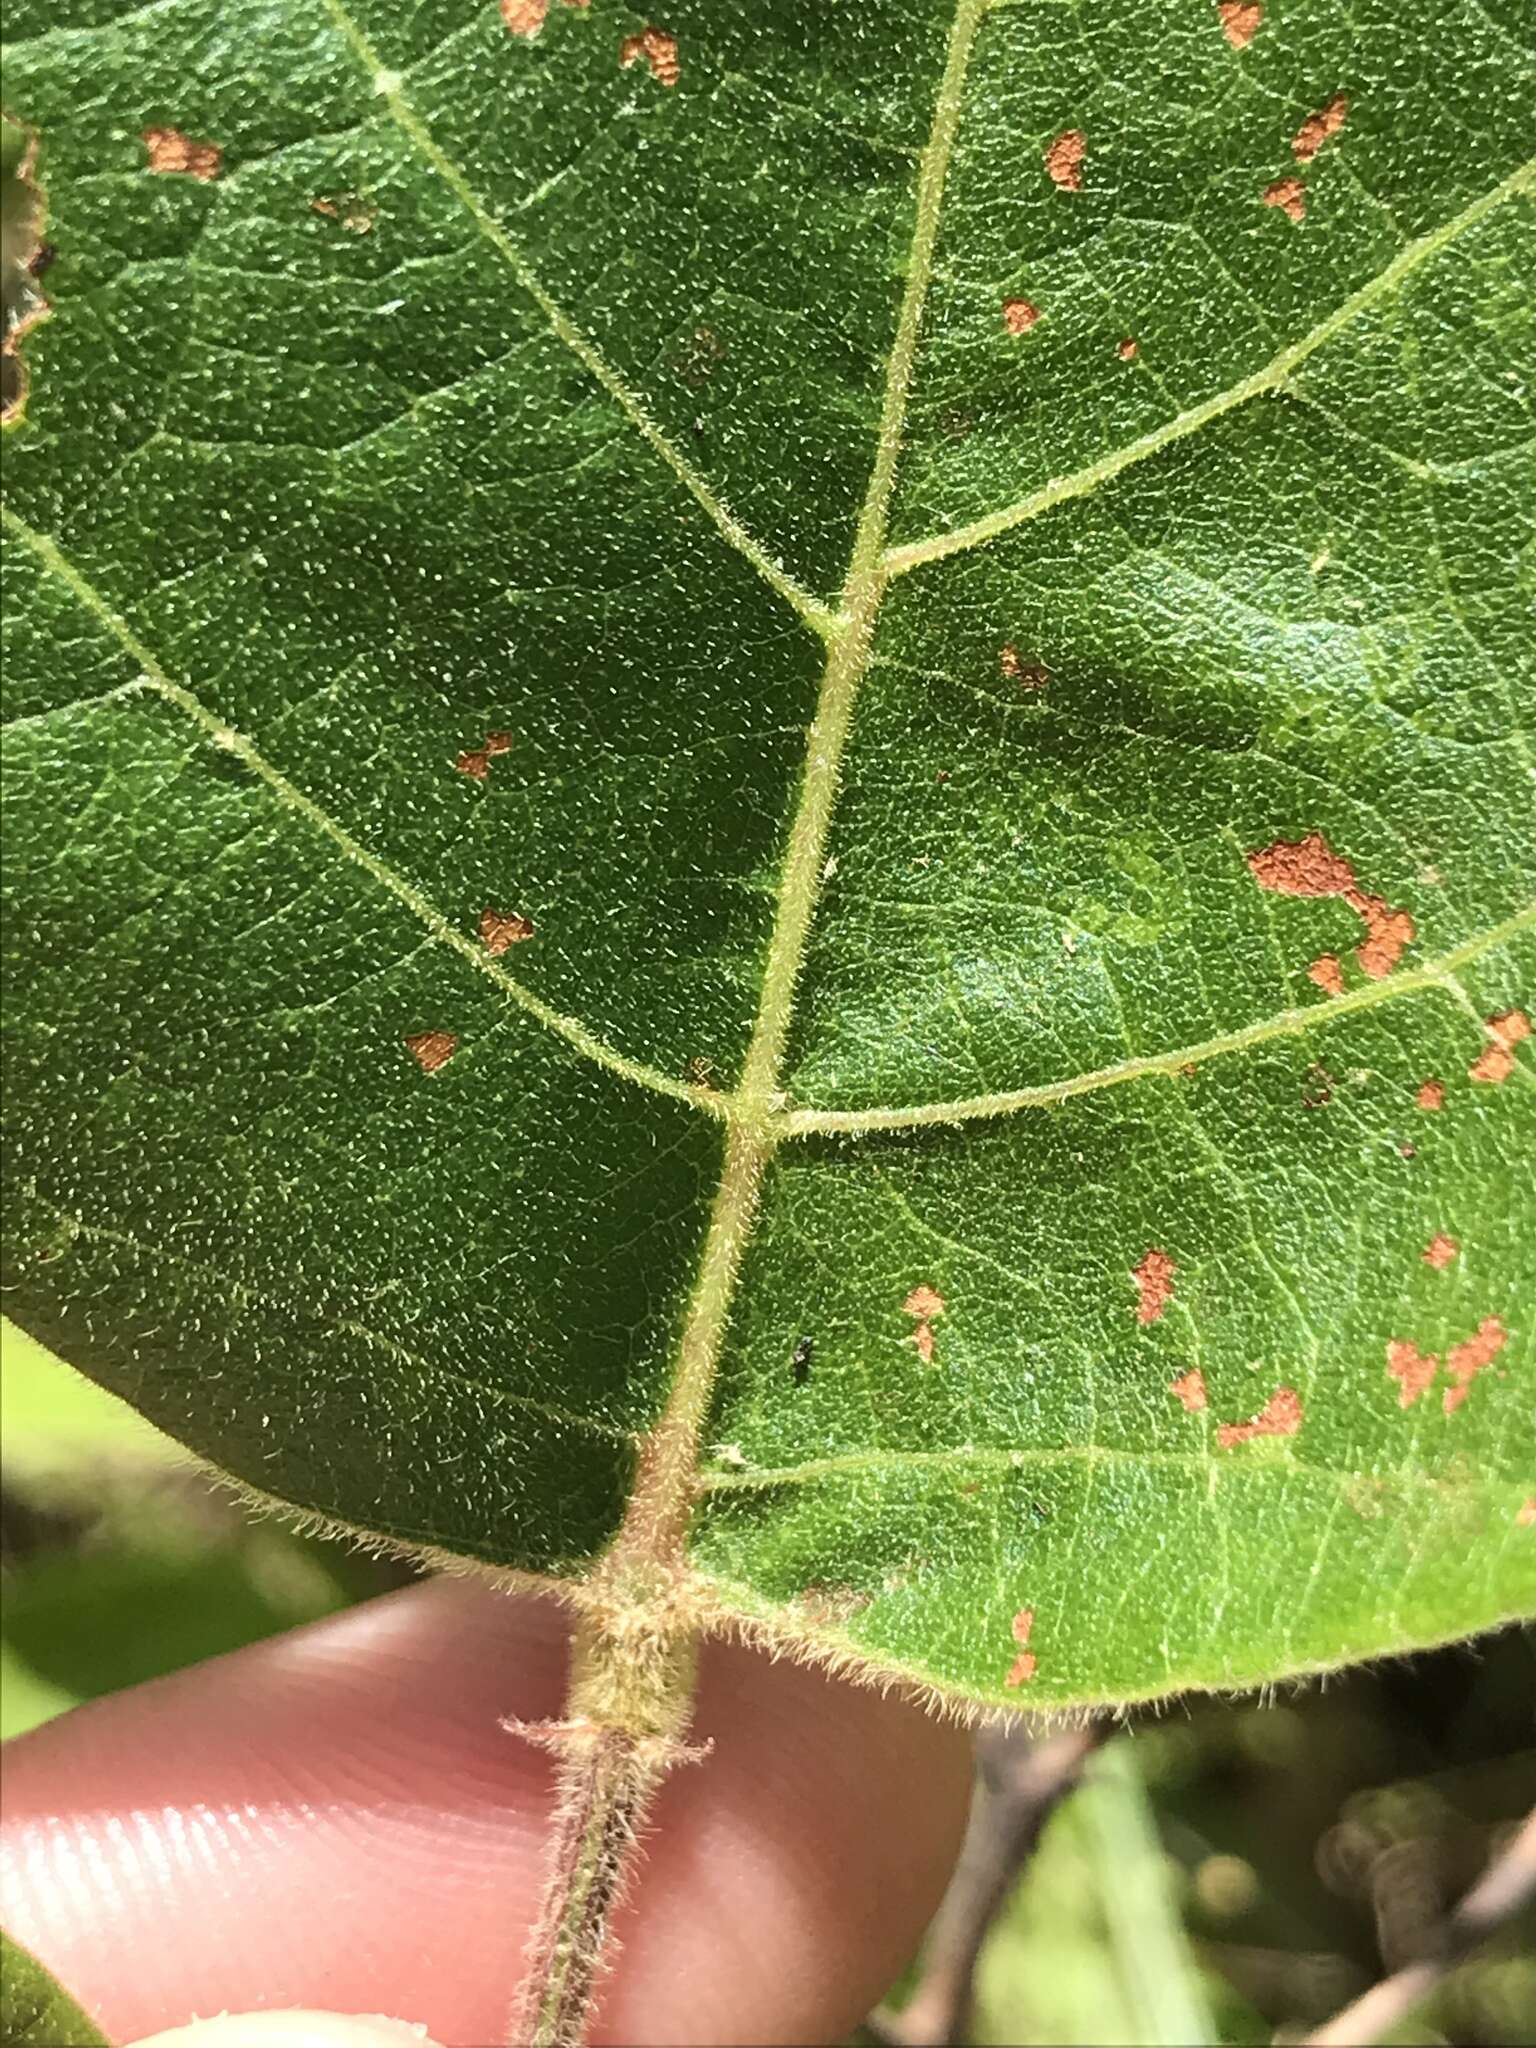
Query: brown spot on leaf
x=1440, y=1250
x=1064, y=159
x=1464, y=1361
x=1127, y=350
x=1189, y=1391
x=700, y=1071
x=1029, y=675
x=1310, y=867
x=1154, y=1285
x=1497, y=1063
x=1525, y=1514
x=1411, y=1368
x=922, y=1337
x=1290, y=195
x=1240, y=21
x=924, y=1301
x=168, y=150
x=659, y=51
x=350, y=210
x=1431, y=1095
x=1318, y=128
x=476, y=761
x=1328, y=972
x=524, y=17
x=1019, y=315
x=1026, y=1663
x=431, y=1049
x=501, y=929
x=1280, y=1416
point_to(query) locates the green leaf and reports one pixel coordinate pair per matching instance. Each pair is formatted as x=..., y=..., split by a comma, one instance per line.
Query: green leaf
x=35, y=2011
x=932, y=725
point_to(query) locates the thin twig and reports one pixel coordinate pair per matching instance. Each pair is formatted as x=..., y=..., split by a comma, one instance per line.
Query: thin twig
x=1021, y=1780
x=1505, y=1888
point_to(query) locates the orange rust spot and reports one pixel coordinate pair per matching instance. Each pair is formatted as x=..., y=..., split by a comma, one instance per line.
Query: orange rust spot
x=526, y=17
x=1507, y=1029
x=1026, y=1664
x=1189, y=1391
x=1154, y=1284
x=659, y=51
x=431, y=1049
x=1019, y=315
x=1127, y=351
x=1240, y=21
x=169, y=150
x=501, y=929
x=1319, y=128
x=1029, y=675
x=1464, y=1361
x=1495, y=1065
x=924, y=1301
x=1280, y=1416
x=1387, y=933
x=1310, y=867
x=1328, y=972
x=1525, y=1514
x=1064, y=159
x=1431, y=1095
x=476, y=761
x=922, y=1337
x=1290, y=195
x=1411, y=1368
x=1440, y=1250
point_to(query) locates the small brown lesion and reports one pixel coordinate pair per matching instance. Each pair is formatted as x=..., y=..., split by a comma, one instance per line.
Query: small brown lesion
x=1019, y=315
x=1064, y=159
x=1154, y=1285
x=349, y=210
x=659, y=51
x=1189, y=1391
x=170, y=152
x=924, y=1303
x=1319, y=128
x=1496, y=1062
x=475, y=762
x=1290, y=195
x=526, y=17
x=1281, y=1415
x=1431, y=1095
x=1240, y=21
x=501, y=928
x=1440, y=1251
x=1310, y=867
x=1127, y=350
x=1014, y=668
x=431, y=1049
x=1026, y=1663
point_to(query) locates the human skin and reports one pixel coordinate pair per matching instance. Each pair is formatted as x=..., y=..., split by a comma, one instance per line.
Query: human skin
x=337, y=1819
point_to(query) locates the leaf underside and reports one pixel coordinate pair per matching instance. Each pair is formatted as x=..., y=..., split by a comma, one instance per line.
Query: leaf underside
x=437, y=502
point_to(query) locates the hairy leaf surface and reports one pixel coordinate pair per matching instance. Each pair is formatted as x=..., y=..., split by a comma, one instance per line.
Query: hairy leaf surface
x=483, y=493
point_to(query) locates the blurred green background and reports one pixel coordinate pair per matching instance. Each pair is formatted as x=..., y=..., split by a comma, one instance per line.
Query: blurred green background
x=1230, y=1870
